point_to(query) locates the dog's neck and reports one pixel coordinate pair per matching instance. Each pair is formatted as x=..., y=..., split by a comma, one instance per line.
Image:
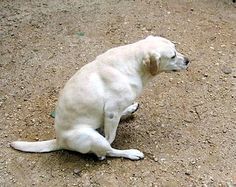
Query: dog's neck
x=132, y=64
x=137, y=71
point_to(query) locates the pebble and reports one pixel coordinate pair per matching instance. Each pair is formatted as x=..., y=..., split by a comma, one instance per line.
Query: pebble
x=226, y=70
x=156, y=159
x=187, y=173
x=77, y=171
x=188, y=120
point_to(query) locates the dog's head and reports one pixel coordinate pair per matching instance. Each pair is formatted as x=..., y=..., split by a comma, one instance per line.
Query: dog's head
x=163, y=57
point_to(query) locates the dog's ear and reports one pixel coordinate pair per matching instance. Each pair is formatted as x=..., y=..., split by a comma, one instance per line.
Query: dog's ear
x=152, y=63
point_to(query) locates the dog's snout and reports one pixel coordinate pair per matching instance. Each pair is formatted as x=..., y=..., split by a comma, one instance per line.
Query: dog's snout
x=186, y=60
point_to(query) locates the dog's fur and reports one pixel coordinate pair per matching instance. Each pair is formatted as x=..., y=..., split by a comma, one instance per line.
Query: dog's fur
x=101, y=93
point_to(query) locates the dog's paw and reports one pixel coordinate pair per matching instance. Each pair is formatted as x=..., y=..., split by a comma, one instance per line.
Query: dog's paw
x=134, y=154
x=134, y=107
x=129, y=111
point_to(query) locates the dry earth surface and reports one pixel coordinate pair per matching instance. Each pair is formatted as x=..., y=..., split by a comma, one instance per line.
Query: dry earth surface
x=186, y=124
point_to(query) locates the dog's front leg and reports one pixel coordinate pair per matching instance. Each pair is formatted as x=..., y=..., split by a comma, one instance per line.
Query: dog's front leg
x=110, y=125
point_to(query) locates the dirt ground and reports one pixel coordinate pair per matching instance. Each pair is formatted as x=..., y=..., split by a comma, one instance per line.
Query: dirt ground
x=186, y=124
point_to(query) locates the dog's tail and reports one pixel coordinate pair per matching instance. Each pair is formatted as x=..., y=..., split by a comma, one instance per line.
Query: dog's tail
x=40, y=147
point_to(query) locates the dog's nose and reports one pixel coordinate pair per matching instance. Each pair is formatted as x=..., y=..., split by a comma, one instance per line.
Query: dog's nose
x=186, y=60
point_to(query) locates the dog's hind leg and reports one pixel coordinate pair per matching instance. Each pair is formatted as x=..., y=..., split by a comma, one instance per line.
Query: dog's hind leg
x=87, y=140
x=129, y=111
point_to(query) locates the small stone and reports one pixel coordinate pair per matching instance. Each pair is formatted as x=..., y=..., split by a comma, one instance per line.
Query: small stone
x=187, y=173
x=162, y=159
x=192, y=9
x=226, y=70
x=77, y=171
x=188, y=120
x=211, y=179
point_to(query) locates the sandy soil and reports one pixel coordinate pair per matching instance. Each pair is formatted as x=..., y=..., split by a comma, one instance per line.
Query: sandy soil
x=186, y=124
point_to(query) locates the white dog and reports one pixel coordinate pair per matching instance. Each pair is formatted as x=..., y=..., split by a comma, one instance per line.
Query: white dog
x=101, y=93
